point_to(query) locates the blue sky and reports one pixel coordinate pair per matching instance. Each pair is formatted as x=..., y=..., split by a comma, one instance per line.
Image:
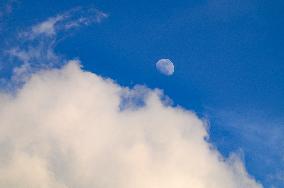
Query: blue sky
x=228, y=57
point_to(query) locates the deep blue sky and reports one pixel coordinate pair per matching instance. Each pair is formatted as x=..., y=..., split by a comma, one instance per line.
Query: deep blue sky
x=228, y=56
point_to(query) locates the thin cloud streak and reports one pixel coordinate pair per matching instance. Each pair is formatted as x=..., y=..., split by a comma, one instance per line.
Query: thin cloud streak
x=65, y=21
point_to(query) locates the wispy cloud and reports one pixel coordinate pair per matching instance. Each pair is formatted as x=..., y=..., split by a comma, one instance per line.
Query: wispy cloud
x=37, y=43
x=257, y=134
x=46, y=27
x=70, y=19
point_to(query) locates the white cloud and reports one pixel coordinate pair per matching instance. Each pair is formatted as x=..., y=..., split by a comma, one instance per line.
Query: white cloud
x=32, y=58
x=41, y=51
x=97, y=17
x=47, y=27
x=64, y=128
x=21, y=55
x=35, y=48
x=165, y=66
x=70, y=19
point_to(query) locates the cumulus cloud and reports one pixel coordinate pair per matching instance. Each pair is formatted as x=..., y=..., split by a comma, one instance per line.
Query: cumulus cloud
x=66, y=128
x=165, y=66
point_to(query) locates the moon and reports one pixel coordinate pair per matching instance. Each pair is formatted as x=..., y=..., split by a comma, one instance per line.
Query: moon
x=165, y=66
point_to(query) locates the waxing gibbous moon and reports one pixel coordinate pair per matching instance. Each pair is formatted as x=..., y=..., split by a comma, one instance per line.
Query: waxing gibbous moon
x=165, y=66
